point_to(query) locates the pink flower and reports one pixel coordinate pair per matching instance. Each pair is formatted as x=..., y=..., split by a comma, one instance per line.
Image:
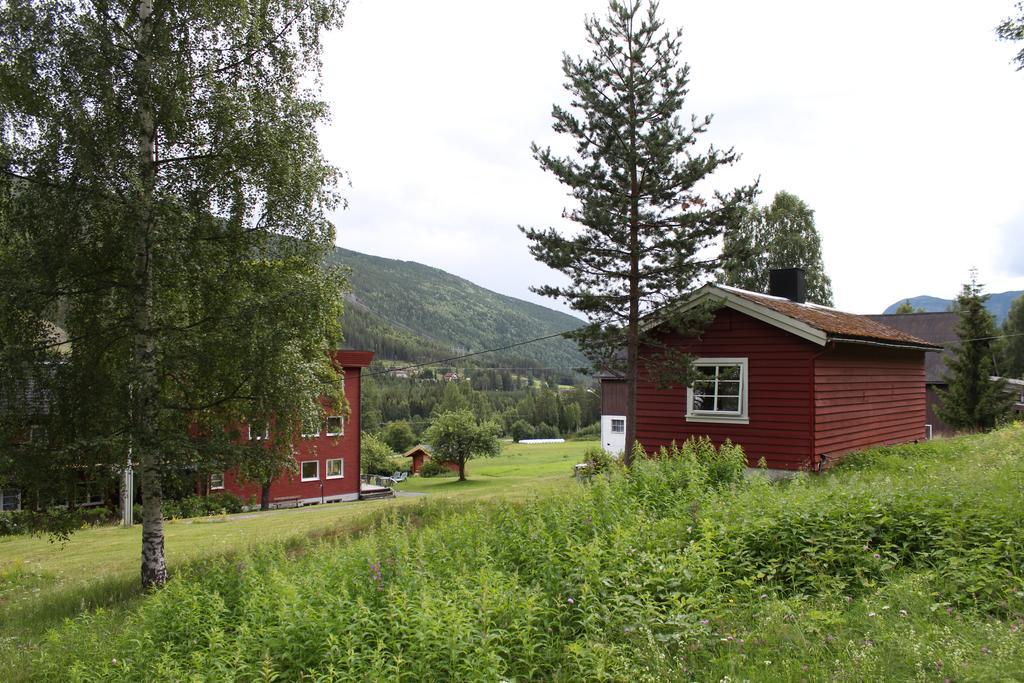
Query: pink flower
x=570, y=601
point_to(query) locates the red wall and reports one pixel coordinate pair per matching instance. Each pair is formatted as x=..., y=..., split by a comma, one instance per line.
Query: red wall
x=779, y=384
x=321, y=448
x=803, y=400
x=866, y=396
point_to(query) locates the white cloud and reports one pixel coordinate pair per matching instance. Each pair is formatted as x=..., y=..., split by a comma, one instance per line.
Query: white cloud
x=897, y=122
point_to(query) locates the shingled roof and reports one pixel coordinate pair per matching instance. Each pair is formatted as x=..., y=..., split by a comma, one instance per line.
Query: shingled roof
x=831, y=321
x=819, y=324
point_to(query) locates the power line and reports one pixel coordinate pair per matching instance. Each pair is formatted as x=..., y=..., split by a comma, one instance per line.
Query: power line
x=468, y=355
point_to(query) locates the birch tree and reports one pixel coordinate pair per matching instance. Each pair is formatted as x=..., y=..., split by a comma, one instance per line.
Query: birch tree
x=646, y=222
x=161, y=181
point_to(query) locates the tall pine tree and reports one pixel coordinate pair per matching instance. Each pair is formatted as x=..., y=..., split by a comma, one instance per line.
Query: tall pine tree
x=973, y=400
x=644, y=228
x=780, y=235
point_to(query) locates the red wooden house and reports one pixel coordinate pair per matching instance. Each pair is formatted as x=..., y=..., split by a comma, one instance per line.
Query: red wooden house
x=328, y=460
x=792, y=382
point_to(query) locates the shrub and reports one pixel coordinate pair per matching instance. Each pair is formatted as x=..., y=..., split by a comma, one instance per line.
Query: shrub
x=376, y=457
x=521, y=429
x=588, y=433
x=432, y=468
x=545, y=431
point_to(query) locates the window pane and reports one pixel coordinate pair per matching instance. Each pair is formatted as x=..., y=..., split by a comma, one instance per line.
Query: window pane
x=217, y=481
x=311, y=469
x=729, y=388
x=704, y=387
x=729, y=403
x=335, y=468
x=335, y=426
x=10, y=499
x=729, y=372
x=618, y=426
x=705, y=372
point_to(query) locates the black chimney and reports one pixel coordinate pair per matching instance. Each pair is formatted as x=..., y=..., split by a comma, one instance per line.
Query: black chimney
x=789, y=283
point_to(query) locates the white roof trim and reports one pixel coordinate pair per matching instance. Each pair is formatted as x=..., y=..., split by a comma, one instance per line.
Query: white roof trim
x=747, y=307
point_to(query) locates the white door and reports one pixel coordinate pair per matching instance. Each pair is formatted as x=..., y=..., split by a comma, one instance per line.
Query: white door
x=613, y=433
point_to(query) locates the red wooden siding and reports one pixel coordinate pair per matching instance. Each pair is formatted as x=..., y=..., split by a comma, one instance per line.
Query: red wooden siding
x=613, y=397
x=866, y=396
x=780, y=382
x=322, y=448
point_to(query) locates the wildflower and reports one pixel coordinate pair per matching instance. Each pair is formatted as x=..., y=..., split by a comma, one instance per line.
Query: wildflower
x=903, y=612
x=885, y=606
x=570, y=601
x=938, y=665
x=877, y=556
x=764, y=596
x=705, y=622
x=984, y=650
x=872, y=614
x=114, y=661
x=628, y=629
x=949, y=610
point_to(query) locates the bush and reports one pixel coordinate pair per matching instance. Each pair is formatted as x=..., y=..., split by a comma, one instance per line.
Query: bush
x=53, y=520
x=432, y=468
x=545, y=431
x=376, y=457
x=588, y=433
x=200, y=506
x=521, y=429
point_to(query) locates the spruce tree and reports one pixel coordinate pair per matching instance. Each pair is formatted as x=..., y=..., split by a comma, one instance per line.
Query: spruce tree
x=781, y=235
x=636, y=176
x=973, y=400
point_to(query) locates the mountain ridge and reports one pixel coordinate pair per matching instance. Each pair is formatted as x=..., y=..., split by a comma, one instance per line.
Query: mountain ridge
x=406, y=310
x=998, y=304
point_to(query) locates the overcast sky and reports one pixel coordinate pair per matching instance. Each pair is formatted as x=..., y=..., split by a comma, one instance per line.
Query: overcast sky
x=900, y=123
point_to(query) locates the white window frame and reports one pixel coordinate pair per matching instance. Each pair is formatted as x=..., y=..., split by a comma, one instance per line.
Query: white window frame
x=327, y=427
x=327, y=469
x=310, y=435
x=214, y=487
x=721, y=416
x=264, y=437
x=7, y=495
x=302, y=470
x=621, y=424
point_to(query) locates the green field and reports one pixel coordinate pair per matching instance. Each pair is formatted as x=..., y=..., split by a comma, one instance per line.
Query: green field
x=902, y=563
x=44, y=581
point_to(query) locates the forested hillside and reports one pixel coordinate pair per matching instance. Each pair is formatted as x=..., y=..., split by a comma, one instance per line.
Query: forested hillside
x=408, y=311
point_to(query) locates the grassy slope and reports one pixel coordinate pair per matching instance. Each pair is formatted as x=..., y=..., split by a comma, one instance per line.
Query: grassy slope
x=43, y=582
x=904, y=564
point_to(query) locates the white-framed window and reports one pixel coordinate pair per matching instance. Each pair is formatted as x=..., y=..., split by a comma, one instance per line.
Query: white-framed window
x=310, y=470
x=335, y=425
x=335, y=468
x=259, y=430
x=718, y=392
x=618, y=426
x=310, y=429
x=10, y=499
x=216, y=481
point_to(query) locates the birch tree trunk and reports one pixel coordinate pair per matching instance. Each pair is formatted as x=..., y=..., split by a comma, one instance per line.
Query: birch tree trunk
x=145, y=395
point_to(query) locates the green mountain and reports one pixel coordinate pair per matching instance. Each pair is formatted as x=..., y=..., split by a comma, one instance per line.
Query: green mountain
x=405, y=310
x=997, y=304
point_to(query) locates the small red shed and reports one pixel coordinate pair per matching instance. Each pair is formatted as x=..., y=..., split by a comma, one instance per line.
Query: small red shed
x=795, y=383
x=327, y=461
x=420, y=454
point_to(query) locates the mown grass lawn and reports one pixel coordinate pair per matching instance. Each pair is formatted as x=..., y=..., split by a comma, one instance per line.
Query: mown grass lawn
x=43, y=581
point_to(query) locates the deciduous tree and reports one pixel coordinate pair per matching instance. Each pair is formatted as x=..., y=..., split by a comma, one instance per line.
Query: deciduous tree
x=1013, y=29
x=161, y=174
x=457, y=437
x=781, y=235
x=636, y=177
x=973, y=400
